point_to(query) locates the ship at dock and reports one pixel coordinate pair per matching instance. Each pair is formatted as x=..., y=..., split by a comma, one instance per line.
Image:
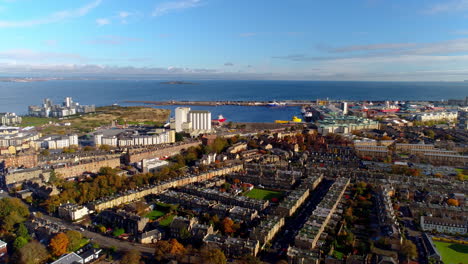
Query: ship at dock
x=307, y=114
x=295, y=119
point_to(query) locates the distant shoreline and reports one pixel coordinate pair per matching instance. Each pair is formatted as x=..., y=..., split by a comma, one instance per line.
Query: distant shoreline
x=177, y=82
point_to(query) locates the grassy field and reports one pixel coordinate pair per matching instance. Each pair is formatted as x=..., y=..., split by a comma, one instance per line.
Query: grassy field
x=155, y=214
x=263, y=194
x=167, y=221
x=82, y=124
x=452, y=253
x=36, y=121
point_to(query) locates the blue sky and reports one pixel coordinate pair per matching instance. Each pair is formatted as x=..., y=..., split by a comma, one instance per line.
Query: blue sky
x=389, y=40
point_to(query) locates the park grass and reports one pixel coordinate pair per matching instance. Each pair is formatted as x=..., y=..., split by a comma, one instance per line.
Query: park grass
x=452, y=253
x=263, y=194
x=155, y=214
x=167, y=220
x=36, y=121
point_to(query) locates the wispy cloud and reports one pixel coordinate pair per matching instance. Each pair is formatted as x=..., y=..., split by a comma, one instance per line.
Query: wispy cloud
x=448, y=6
x=102, y=21
x=229, y=64
x=27, y=55
x=167, y=7
x=124, y=14
x=370, y=47
x=454, y=46
x=52, y=18
x=113, y=40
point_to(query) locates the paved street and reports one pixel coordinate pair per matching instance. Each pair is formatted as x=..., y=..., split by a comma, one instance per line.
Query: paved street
x=101, y=240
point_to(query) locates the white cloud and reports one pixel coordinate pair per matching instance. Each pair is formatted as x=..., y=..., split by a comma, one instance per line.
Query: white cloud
x=52, y=18
x=124, y=14
x=102, y=21
x=448, y=6
x=167, y=7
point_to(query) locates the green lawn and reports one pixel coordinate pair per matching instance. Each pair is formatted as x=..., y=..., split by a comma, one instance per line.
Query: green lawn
x=167, y=221
x=452, y=253
x=337, y=254
x=36, y=121
x=155, y=214
x=263, y=194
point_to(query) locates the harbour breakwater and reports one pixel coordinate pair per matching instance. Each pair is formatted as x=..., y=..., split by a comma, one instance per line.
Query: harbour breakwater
x=218, y=103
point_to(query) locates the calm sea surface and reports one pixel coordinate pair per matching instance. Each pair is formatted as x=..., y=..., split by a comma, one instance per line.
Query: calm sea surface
x=15, y=97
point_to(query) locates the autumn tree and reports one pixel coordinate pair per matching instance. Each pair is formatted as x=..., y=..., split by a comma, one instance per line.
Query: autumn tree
x=131, y=257
x=453, y=202
x=33, y=253
x=408, y=249
x=59, y=244
x=167, y=249
x=213, y=256
x=227, y=226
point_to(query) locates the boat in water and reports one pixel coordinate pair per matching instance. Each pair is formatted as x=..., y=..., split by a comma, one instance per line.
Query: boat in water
x=295, y=119
x=276, y=104
x=308, y=116
x=221, y=119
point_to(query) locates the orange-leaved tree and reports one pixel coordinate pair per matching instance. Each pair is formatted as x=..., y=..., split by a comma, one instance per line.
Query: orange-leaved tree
x=59, y=244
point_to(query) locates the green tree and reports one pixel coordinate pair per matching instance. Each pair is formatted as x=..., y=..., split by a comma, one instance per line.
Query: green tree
x=12, y=212
x=19, y=243
x=118, y=231
x=74, y=240
x=185, y=234
x=22, y=231
x=179, y=137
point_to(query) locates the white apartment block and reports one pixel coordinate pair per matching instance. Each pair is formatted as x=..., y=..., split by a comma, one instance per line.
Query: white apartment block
x=436, y=116
x=135, y=140
x=443, y=225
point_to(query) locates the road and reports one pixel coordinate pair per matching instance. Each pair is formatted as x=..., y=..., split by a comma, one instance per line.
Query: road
x=286, y=236
x=101, y=240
